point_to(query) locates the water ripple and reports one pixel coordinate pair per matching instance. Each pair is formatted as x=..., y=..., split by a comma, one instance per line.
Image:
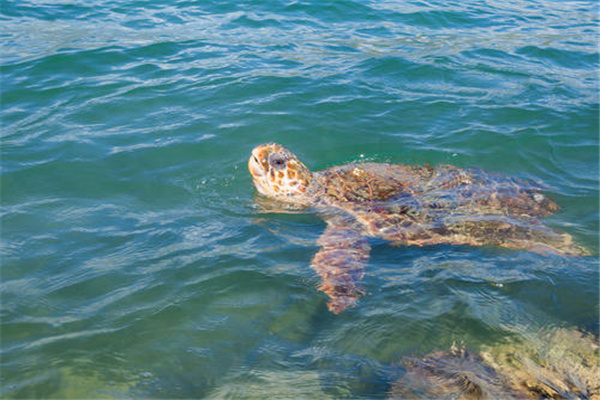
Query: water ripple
x=135, y=255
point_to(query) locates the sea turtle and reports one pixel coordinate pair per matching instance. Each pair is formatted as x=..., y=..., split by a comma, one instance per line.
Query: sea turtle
x=406, y=205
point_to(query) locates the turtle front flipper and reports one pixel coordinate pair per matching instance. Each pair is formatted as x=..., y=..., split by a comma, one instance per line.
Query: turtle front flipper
x=340, y=262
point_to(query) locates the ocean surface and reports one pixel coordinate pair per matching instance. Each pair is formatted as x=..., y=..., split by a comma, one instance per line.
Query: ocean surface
x=137, y=259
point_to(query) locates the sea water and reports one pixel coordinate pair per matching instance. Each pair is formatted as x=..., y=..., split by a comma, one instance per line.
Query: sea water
x=137, y=260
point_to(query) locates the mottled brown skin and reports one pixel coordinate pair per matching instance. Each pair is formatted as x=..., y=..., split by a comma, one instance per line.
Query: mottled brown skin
x=406, y=205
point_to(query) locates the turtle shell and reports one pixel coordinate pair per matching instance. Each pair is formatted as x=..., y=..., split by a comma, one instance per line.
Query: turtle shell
x=422, y=205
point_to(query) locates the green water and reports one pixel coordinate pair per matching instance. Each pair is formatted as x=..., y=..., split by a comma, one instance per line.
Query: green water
x=135, y=259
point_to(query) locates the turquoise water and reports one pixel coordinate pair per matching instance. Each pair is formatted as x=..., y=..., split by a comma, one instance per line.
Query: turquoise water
x=137, y=260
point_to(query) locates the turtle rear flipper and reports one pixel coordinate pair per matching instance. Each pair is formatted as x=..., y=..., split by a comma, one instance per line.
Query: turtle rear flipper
x=340, y=262
x=513, y=234
x=503, y=232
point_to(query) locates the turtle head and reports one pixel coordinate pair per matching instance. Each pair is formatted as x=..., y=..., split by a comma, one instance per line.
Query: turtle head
x=278, y=173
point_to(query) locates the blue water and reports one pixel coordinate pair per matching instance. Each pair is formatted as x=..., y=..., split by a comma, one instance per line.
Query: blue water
x=137, y=260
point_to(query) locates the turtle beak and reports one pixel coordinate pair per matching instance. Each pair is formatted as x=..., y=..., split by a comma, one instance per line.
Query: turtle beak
x=255, y=167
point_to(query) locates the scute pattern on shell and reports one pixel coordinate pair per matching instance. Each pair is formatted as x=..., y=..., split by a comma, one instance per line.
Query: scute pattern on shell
x=478, y=192
x=445, y=205
x=354, y=184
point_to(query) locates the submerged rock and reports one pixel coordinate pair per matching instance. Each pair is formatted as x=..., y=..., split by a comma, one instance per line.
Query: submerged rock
x=551, y=364
x=453, y=374
x=555, y=364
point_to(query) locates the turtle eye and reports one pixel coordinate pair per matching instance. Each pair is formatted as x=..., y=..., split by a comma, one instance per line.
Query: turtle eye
x=277, y=161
